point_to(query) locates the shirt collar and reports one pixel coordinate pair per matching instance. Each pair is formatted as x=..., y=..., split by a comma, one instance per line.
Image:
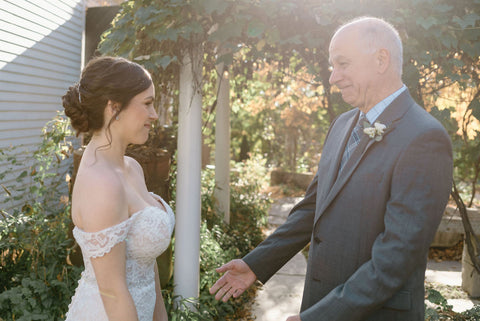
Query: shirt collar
x=373, y=113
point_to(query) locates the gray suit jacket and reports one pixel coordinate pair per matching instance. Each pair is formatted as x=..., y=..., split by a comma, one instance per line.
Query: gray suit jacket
x=370, y=226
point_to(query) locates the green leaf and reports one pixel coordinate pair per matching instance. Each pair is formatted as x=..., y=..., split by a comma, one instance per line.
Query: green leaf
x=458, y=63
x=142, y=14
x=426, y=23
x=227, y=32
x=468, y=20
x=22, y=175
x=168, y=34
x=475, y=107
x=227, y=59
x=443, y=7
x=191, y=29
x=272, y=35
x=255, y=28
x=107, y=46
x=449, y=41
x=165, y=61
x=218, y=6
x=435, y=297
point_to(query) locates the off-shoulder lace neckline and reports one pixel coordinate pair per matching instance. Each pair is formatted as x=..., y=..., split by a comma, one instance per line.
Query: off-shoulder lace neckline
x=124, y=221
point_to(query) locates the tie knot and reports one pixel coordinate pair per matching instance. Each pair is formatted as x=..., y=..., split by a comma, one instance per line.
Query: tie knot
x=363, y=121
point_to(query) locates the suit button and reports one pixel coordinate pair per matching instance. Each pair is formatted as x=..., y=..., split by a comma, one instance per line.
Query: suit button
x=317, y=239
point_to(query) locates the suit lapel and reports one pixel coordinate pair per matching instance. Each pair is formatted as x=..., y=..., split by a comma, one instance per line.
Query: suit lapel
x=338, y=154
x=330, y=161
x=389, y=117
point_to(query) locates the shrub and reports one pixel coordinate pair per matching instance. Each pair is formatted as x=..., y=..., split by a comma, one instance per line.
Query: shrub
x=442, y=311
x=35, y=280
x=221, y=243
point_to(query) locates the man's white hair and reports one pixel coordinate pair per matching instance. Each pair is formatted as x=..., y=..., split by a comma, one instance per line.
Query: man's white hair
x=378, y=34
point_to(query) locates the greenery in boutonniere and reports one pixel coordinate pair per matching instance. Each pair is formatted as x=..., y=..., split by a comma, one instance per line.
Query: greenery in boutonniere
x=374, y=132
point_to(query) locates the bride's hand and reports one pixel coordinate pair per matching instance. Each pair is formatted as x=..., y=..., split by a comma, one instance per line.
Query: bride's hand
x=237, y=278
x=294, y=318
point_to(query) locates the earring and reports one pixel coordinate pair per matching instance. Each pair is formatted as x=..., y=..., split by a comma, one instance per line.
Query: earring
x=117, y=118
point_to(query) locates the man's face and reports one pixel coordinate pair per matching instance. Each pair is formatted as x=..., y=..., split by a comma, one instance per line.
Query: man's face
x=353, y=69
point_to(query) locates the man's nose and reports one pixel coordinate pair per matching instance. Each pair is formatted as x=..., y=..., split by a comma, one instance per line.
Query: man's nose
x=333, y=77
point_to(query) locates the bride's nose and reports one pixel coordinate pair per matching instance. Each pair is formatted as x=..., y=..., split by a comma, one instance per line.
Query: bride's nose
x=153, y=114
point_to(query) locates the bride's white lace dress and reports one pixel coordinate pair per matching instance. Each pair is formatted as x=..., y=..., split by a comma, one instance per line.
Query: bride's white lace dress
x=147, y=234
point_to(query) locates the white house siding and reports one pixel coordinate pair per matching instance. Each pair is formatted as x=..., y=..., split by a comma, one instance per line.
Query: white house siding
x=40, y=57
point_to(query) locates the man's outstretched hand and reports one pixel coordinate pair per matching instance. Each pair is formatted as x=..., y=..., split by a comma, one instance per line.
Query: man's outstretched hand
x=237, y=278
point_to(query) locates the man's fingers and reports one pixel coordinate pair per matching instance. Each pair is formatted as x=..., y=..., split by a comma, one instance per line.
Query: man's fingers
x=233, y=292
x=238, y=292
x=219, y=284
x=221, y=269
x=226, y=297
x=228, y=294
x=222, y=293
x=231, y=284
x=224, y=290
x=225, y=267
x=219, y=294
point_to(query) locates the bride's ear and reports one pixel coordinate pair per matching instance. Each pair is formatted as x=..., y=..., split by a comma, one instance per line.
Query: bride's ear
x=112, y=109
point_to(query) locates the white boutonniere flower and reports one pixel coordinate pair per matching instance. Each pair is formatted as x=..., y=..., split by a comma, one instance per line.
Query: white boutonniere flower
x=374, y=132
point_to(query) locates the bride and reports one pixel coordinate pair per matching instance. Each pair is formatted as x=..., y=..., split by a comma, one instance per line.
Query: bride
x=120, y=226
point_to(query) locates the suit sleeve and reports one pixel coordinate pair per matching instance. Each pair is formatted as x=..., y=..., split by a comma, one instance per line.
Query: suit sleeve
x=287, y=240
x=420, y=187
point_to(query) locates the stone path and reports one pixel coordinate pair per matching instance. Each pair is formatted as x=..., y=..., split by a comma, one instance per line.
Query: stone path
x=281, y=296
x=449, y=273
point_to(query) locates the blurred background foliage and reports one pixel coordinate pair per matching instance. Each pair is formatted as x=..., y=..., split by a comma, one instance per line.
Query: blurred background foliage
x=276, y=54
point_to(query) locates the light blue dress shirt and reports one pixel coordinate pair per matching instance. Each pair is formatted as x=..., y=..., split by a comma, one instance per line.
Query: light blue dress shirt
x=373, y=113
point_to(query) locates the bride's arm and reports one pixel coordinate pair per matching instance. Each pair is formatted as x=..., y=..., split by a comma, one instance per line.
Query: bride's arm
x=102, y=203
x=160, y=313
x=110, y=274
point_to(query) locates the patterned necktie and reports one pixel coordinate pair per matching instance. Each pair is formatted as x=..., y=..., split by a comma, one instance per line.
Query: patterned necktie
x=353, y=141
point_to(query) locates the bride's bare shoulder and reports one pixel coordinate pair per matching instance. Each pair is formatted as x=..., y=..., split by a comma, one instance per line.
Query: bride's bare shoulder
x=98, y=199
x=134, y=165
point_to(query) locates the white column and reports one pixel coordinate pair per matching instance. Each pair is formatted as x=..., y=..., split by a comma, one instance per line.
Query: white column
x=222, y=146
x=188, y=210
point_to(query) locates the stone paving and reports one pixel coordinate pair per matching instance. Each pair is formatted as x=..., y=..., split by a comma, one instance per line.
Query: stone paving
x=281, y=296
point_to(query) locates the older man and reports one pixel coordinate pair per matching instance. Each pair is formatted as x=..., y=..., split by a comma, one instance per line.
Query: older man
x=376, y=201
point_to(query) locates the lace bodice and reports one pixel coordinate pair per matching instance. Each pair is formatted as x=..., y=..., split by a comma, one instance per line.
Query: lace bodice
x=147, y=234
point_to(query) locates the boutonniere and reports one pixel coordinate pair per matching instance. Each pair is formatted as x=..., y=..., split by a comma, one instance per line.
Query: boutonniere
x=374, y=132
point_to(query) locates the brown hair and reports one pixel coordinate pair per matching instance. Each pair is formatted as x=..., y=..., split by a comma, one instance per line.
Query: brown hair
x=103, y=79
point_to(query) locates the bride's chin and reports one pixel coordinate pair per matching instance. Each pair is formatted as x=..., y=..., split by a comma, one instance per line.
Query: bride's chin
x=140, y=141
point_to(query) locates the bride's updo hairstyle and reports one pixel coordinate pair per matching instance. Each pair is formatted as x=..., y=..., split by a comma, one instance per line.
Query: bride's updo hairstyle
x=103, y=79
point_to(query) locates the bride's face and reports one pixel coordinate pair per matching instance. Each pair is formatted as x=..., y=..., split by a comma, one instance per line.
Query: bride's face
x=137, y=117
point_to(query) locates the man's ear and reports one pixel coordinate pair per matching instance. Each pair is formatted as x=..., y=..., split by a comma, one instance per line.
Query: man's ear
x=383, y=60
